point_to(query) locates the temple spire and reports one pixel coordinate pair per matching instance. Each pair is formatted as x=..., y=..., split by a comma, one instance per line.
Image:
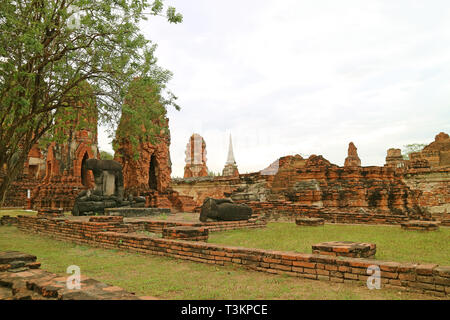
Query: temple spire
x=231, y=169
x=231, y=159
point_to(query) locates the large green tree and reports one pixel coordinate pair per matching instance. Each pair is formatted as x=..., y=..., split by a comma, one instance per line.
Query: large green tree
x=49, y=49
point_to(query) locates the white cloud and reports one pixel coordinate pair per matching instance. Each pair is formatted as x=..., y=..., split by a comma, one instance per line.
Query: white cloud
x=305, y=77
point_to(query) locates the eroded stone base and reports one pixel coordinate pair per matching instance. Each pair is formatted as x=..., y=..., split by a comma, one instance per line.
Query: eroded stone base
x=8, y=221
x=309, y=221
x=21, y=279
x=50, y=212
x=186, y=233
x=421, y=225
x=136, y=212
x=346, y=249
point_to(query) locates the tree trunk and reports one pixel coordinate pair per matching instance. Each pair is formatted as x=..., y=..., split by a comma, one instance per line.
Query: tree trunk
x=11, y=174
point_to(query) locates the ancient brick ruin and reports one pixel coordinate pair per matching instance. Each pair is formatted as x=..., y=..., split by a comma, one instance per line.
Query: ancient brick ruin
x=186, y=233
x=147, y=166
x=149, y=172
x=352, y=159
x=310, y=222
x=418, y=188
x=53, y=177
x=22, y=279
x=65, y=176
x=420, y=225
x=436, y=154
x=113, y=233
x=394, y=158
x=294, y=185
x=345, y=249
x=195, y=157
x=19, y=194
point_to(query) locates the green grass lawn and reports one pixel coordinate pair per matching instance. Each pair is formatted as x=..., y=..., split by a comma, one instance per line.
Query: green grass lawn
x=393, y=243
x=15, y=213
x=168, y=278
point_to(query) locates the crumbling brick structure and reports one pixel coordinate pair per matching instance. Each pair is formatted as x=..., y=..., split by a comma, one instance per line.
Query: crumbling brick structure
x=19, y=193
x=22, y=279
x=314, y=183
x=65, y=174
x=352, y=159
x=195, y=157
x=436, y=154
x=317, y=182
x=151, y=171
x=147, y=165
x=426, y=278
x=394, y=158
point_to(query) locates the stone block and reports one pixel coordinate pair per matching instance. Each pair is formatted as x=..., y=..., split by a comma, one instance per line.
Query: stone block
x=346, y=249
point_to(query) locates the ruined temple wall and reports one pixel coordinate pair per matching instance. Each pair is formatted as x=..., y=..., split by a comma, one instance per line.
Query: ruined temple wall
x=436, y=154
x=17, y=194
x=245, y=187
x=433, y=186
x=201, y=188
x=64, y=176
x=29, y=179
x=427, y=278
x=195, y=157
x=137, y=172
x=374, y=188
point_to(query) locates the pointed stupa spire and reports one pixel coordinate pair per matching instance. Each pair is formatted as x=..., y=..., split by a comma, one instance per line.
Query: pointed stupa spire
x=231, y=169
x=231, y=159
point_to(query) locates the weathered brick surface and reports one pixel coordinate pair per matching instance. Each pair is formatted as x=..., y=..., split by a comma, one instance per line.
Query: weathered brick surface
x=21, y=279
x=388, y=195
x=427, y=278
x=436, y=154
x=195, y=157
x=50, y=212
x=157, y=226
x=420, y=225
x=7, y=220
x=186, y=233
x=346, y=249
x=292, y=211
x=309, y=221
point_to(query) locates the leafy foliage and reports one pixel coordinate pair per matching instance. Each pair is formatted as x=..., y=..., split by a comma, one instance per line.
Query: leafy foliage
x=104, y=155
x=143, y=98
x=410, y=148
x=57, y=56
x=213, y=174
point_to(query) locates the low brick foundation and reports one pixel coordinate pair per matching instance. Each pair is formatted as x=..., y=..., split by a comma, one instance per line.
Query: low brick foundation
x=358, y=218
x=420, y=225
x=21, y=279
x=309, y=221
x=346, y=249
x=157, y=226
x=8, y=221
x=425, y=278
x=114, y=220
x=14, y=261
x=275, y=210
x=186, y=233
x=136, y=212
x=50, y=212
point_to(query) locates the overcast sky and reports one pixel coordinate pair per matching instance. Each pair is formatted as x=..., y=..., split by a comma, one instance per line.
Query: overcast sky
x=304, y=77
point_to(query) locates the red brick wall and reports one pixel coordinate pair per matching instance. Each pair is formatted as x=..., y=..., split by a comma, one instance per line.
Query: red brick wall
x=427, y=278
x=288, y=210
